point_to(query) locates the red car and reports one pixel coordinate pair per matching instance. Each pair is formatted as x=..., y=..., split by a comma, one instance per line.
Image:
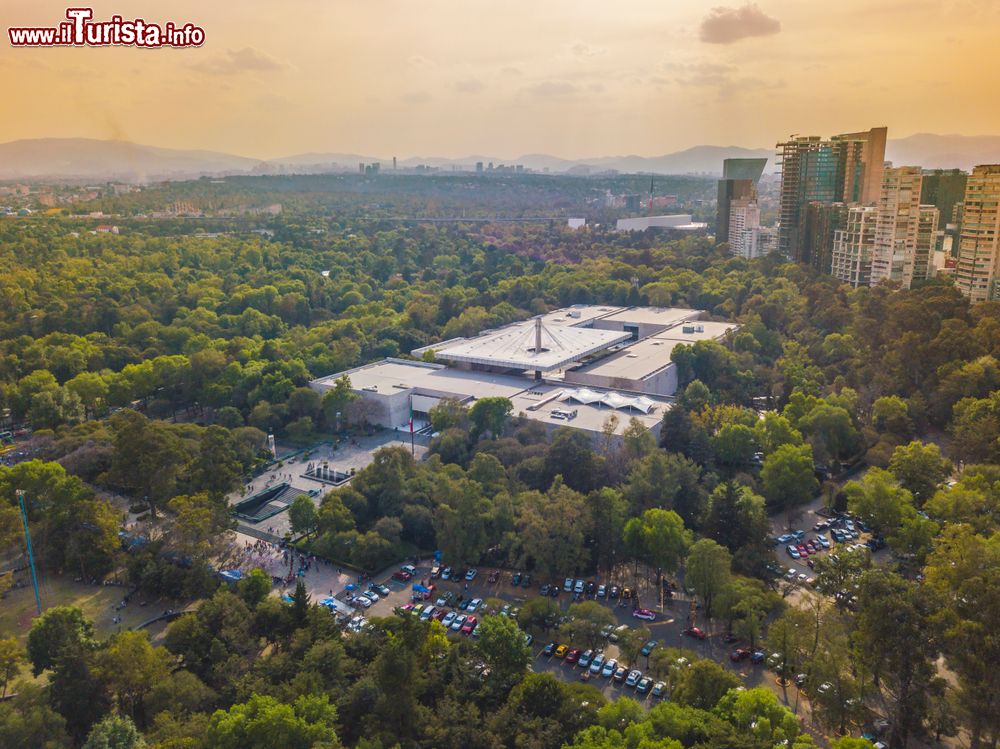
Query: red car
x=573, y=655
x=739, y=654
x=695, y=632
x=401, y=576
x=470, y=624
x=803, y=550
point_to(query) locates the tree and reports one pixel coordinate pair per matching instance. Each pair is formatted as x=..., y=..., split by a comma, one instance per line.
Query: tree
x=773, y=431
x=663, y=540
x=667, y=481
x=262, y=722
x=539, y=612
x=919, y=468
x=216, y=467
x=502, y=645
x=11, y=658
x=115, y=732
x=57, y=630
x=130, y=666
x=587, y=619
x=878, y=500
x=707, y=571
x=570, y=454
x=895, y=635
x=490, y=415
x=448, y=413
x=788, y=477
x=303, y=516
x=607, y=512
x=254, y=587
x=830, y=430
x=27, y=720
x=703, y=684
x=550, y=535
x=890, y=414
x=734, y=445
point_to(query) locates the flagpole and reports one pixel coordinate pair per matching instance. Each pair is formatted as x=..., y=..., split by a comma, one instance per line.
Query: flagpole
x=413, y=449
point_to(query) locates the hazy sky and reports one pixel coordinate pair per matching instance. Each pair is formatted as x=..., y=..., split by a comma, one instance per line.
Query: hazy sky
x=573, y=78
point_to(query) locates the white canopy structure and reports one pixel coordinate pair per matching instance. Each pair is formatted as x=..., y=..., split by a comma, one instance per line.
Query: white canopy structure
x=609, y=399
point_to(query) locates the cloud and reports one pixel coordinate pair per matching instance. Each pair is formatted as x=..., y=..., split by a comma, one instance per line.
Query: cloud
x=469, y=86
x=246, y=60
x=547, y=89
x=582, y=49
x=511, y=70
x=417, y=97
x=727, y=25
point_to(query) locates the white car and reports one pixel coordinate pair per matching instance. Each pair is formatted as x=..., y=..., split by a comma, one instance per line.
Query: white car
x=363, y=601
x=595, y=665
x=578, y=588
x=474, y=605
x=633, y=678
x=372, y=596
x=449, y=618
x=568, y=585
x=458, y=622
x=609, y=668
x=471, y=574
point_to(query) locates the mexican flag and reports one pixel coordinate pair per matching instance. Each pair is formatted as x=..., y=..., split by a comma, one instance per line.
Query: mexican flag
x=411, y=414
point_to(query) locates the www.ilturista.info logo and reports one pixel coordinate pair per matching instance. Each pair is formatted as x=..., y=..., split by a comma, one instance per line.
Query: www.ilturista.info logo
x=80, y=31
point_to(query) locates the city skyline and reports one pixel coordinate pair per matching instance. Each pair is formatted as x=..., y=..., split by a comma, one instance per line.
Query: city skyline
x=476, y=78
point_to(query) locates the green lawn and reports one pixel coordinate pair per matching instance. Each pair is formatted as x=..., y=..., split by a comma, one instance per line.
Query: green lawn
x=17, y=610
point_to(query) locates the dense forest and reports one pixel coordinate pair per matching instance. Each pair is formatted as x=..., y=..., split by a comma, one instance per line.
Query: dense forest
x=152, y=364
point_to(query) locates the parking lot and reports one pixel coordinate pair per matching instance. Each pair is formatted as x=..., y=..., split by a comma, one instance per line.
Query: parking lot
x=667, y=629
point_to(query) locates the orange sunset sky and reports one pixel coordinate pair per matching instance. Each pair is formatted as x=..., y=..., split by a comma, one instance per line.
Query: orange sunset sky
x=460, y=77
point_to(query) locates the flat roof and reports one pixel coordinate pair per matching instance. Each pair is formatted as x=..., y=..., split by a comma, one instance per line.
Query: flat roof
x=513, y=346
x=578, y=314
x=636, y=362
x=703, y=330
x=540, y=401
x=395, y=375
x=653, y=315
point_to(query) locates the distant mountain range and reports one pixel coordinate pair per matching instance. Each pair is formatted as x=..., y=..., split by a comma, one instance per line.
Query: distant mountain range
x=88, y=159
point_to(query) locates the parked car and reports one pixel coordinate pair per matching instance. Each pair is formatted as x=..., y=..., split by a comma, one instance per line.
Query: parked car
x=617, y=632
x=602, y=591
x=528, y=637
x=608, y=668
x=578, y=586
x=598, y=664
x=446, y=573
x=613, y=592
x=619, y=675
x=648, y=647
x=449, y=618
x=459, y=622
x=643, y=686
x=606, y=630
x=784, y=538
x=549, y=649
x=402, y=576
x=526, y=581
x=792, y=552
x=474, y=604
x=436, y=571
x=695, y=632
x=740, y=654
x=544, y=590
x=572, y=655
x=644, y=614
x=633, y=678
x=470, y=624
x=471, y=574
x=757, y=656
x=585, y=658
x=515, y=579
x=561, y=651
x=568, y=585
x=554, y=591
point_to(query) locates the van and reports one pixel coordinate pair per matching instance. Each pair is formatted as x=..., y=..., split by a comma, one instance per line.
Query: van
x=410, y=569
x=427, y=613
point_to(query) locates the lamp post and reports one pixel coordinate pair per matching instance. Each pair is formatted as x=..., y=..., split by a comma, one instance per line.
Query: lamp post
x=31, y=554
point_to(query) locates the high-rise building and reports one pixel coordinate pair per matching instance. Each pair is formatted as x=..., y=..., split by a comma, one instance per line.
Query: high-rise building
x=819, y=223
x=943, y=188
x=739, y=182
x=897, y=223
x=853, y=246
x=744, y=217
x=918, y=264
x=845, y=169
x=978, y=269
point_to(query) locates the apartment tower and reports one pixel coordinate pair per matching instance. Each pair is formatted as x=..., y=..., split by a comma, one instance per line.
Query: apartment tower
x=978, y=267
